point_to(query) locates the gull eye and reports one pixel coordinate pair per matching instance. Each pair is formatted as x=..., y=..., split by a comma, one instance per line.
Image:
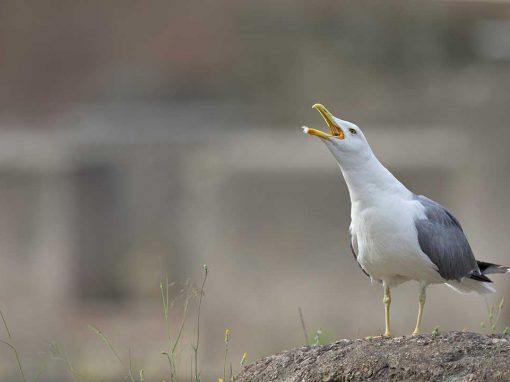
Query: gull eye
x=352, y=131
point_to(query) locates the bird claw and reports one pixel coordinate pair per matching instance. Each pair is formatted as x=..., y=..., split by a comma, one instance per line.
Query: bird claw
x=380, y=336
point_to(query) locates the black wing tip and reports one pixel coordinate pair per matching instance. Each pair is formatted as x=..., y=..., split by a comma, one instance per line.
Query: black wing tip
x=480, y=277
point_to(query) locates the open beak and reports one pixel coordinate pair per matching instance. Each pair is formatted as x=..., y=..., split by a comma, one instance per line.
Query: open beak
x=335, y=130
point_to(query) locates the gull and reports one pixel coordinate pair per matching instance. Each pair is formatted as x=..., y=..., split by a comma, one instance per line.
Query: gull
x=396, y=235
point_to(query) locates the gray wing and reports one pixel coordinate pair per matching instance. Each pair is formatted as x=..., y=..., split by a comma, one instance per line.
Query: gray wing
x=441, y=238
x=354, y=248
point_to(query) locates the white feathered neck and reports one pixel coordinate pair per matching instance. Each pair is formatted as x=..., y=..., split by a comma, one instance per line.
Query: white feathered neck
x=368, y=181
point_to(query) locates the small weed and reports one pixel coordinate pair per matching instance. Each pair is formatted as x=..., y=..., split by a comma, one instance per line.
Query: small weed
x=187, y=294
x=230, y=377
x=58, y=354
x=317, y=337
x=493, y=316
x=108, y=343
x=435, y=332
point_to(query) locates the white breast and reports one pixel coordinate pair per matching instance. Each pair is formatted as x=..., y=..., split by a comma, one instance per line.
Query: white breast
x=388, y=248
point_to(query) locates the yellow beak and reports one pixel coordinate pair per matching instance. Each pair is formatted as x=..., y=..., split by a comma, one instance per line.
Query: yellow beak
x=334, y=128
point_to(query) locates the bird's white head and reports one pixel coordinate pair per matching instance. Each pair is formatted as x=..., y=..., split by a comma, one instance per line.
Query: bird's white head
x=345, y=141
x=365, y=176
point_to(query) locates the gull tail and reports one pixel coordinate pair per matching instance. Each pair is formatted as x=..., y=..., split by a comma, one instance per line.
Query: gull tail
x=489, y=268
x=479, y=282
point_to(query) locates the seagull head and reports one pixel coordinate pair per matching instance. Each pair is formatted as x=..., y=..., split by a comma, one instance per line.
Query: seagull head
x=345, y=140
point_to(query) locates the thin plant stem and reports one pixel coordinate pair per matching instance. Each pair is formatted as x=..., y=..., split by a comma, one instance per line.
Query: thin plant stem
x=191, y=368
x=225, y=364
x=500, y=308
x=303, y=326
x=6, y=326
x=110, y=346
x=197, y=379
x=488, y=313
x=165, y=302
x=130, y=364
x=18, y=360
x=41, y=370
x=59, y=354
x=227, y=334
x=172, y=375
x=183, y=321
x=164, y=298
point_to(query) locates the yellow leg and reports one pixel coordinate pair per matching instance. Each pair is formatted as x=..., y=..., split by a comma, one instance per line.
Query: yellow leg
x=387, y=302
x=417, y=330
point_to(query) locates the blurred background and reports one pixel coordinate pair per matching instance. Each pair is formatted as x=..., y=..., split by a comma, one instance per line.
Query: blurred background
x=141, y=140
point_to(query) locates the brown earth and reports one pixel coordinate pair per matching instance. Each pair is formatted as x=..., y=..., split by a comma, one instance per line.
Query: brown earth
x=452, y=356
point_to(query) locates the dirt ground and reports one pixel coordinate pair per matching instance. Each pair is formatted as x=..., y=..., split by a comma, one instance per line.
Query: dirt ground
x=452, y=356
